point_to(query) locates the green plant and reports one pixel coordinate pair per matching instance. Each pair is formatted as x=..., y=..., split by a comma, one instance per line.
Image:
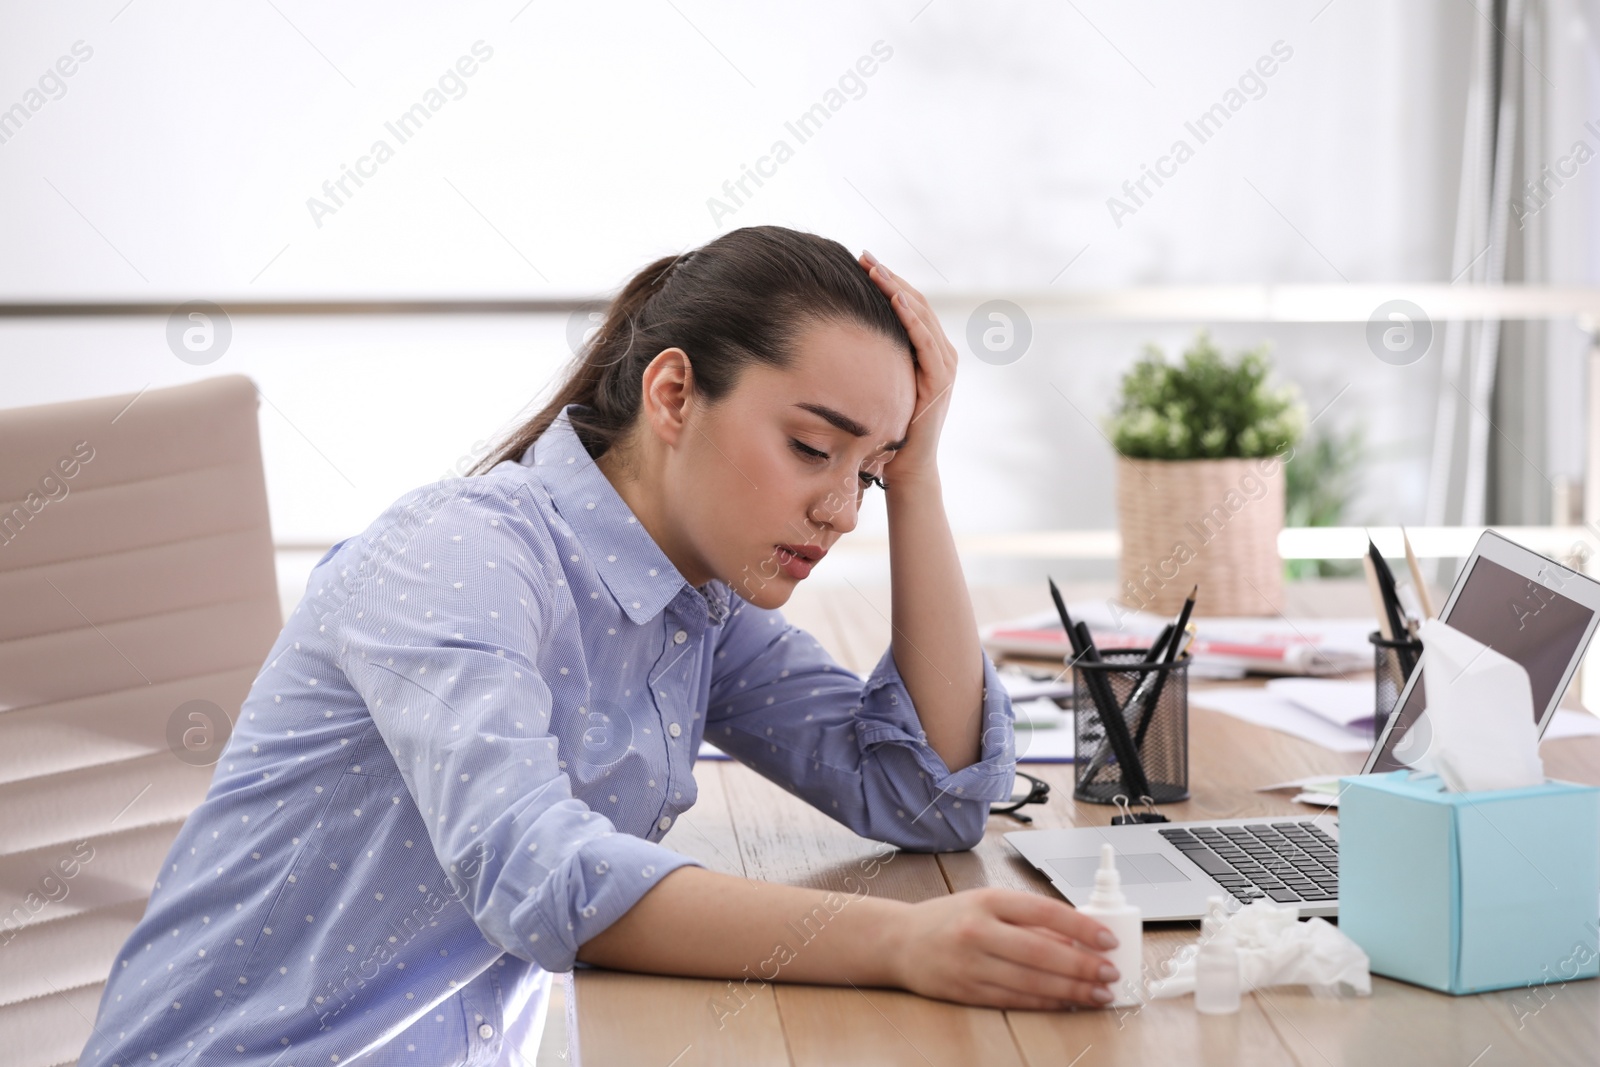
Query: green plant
x=1204, y=407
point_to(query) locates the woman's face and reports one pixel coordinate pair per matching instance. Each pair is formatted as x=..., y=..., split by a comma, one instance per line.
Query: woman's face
x=782, y=459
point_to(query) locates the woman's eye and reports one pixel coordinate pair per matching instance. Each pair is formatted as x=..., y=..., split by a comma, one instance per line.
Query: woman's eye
x=867, y=479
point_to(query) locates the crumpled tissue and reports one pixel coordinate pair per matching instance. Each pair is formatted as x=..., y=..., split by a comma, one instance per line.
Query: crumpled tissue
x=1275, y=948
x=1480, y=731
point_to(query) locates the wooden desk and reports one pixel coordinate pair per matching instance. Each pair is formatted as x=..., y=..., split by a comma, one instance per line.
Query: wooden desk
x=747, y=826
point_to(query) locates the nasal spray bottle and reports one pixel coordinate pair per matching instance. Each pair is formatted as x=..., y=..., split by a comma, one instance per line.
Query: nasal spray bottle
x=1111, y=909
x=1216, y=967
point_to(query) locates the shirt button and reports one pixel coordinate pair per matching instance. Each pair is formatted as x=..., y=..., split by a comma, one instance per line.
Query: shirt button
x=674, y=729
x=664, y=822
x=679, y=638
x=486, y=1031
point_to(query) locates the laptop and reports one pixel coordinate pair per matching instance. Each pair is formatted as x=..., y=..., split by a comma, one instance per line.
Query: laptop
x=1529, y=608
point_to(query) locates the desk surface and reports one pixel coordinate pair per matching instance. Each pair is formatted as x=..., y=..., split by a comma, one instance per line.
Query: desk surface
x=745, y=825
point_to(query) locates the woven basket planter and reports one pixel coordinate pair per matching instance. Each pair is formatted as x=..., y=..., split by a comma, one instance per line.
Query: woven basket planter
x=1214, y=522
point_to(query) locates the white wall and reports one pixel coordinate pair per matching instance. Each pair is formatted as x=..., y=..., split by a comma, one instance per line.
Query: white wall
x=980, y=154
x=591, y=140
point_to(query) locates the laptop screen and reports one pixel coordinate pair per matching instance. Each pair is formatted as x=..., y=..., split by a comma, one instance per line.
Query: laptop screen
x=1523, y=621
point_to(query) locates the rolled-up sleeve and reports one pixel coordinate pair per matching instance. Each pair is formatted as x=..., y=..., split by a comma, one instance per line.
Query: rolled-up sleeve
x=853, y=749
x=442, y=640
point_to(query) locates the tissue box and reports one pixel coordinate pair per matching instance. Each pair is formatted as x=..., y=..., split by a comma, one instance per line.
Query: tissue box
x=1467, y=892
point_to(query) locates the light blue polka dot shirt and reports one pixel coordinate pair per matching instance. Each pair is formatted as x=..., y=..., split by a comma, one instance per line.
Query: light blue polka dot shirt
x=457, y=764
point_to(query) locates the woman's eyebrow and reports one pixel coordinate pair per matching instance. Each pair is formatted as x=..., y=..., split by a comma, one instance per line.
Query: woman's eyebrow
x=846, y=423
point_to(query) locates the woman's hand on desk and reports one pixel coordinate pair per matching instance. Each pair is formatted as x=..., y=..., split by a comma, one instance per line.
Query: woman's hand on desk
x=999, y=948
x=1003, y=948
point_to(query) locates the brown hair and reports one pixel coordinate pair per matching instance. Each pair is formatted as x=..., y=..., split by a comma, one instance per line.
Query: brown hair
x=743, y=298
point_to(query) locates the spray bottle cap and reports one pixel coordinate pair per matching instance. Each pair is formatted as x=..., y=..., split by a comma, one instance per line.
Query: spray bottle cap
x=1215, y=929
x=1107, y=881
x=1212, y=919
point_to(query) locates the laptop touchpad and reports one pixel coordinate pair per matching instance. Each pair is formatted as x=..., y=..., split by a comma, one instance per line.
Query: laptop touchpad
x=1140, y=868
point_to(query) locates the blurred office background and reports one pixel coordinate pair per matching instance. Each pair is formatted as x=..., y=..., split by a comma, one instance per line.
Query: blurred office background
x=196, y=151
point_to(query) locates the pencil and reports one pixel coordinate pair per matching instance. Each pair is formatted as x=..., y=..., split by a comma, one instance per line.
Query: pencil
x=1416, y=577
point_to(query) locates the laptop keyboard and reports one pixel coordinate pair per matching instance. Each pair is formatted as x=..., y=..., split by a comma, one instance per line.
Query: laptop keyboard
x=1289, y=862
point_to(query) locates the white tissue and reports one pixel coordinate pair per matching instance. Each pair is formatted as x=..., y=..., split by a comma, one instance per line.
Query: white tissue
x=1276, y=949
x=1480, y=731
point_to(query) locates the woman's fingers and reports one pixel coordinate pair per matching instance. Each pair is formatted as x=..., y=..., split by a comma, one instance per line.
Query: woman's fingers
x=1030, y=909
x=925, y=339
x=911, y=304
x=1027, y=981
x=1035, y=958
x=1045, y=931
x=876, y=265
x=901, y=293
x=989, y=947
x=988, y=995
x=1043, y=952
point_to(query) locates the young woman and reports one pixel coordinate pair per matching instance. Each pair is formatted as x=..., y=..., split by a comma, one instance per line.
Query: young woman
x=453, y=773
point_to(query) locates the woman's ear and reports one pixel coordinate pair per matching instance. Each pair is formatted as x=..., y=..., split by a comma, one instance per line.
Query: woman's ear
x=667, y=393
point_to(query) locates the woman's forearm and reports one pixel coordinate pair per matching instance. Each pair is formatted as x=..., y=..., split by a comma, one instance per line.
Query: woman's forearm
x=935, y=633
x=703, y=924
x=1001, y=948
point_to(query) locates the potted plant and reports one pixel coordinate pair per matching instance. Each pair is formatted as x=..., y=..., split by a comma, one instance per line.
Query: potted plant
x=1201, y=447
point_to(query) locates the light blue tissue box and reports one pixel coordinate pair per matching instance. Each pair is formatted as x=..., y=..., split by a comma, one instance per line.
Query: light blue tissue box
x=1468, y=892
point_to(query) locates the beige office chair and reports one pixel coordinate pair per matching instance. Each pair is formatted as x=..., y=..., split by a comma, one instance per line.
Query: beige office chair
x=136, y=575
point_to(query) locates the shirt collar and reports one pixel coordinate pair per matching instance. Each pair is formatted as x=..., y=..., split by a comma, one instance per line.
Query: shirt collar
x=634, y=569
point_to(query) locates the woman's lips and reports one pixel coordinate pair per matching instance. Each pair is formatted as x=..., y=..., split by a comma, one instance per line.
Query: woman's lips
x=797, y=560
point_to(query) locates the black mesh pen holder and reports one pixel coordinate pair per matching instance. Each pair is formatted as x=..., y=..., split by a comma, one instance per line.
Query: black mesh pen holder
x=1153, y=701
x=1389, y=674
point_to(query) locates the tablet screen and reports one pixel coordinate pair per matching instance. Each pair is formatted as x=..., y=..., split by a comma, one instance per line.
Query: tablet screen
x=1524, y=621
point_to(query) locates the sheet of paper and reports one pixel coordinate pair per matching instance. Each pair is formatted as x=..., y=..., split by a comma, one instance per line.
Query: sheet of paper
x=1339, y=701
x=1265, y=708
x=1041, y=713
x=1569, y=723
x=1022, y=687
x=1316, y=781
x=1046, y=746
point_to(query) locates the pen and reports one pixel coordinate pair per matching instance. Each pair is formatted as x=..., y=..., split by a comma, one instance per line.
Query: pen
x=1180, y=631
x=1379, y=608
x=1149, y=712
x=1116, y=727
x=1391, y=606
x=1104, y=699
x=1159, y=644
x=1066, y=620
x=1150, y=685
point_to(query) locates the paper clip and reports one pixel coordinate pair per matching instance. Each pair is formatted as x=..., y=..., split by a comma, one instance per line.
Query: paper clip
x=1126, y=816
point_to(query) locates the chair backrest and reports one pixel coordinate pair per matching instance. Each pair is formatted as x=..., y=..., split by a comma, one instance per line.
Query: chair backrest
x=136, y=578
